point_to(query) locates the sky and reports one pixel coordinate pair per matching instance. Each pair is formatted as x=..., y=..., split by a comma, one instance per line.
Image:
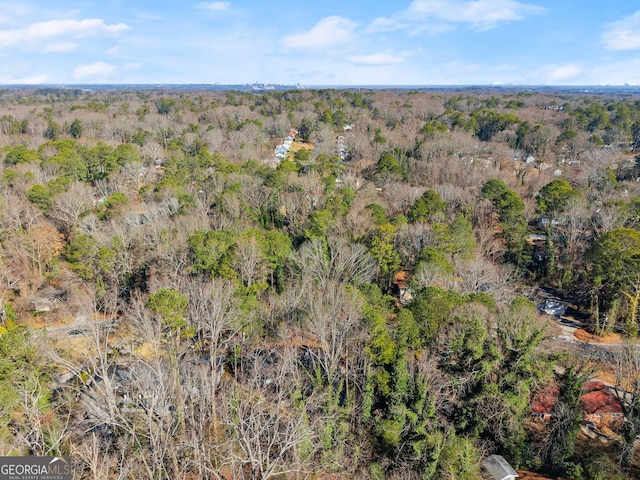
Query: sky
x=329, y=42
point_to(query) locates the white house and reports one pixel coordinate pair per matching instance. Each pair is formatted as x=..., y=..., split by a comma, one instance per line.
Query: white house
x=499, y=468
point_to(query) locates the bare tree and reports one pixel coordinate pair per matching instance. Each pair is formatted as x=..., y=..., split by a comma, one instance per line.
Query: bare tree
x=215, y=313
x=336, y=261
x=270, y=435
x=69, y=206
x=624, y=362
x=333, y=315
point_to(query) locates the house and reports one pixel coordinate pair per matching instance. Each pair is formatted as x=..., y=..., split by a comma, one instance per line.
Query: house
x=555, y=308
x=401, y=287
x=499, y=468
x=599, y=405
x=543, y=402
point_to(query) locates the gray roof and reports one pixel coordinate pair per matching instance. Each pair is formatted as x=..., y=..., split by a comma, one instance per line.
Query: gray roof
x=499, y=468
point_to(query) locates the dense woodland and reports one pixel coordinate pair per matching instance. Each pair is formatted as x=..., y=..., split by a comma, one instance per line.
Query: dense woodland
x=178, y=305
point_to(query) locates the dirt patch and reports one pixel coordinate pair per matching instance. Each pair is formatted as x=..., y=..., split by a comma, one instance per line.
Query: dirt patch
x=295, y=146
x=525, y=475
x=585, y=336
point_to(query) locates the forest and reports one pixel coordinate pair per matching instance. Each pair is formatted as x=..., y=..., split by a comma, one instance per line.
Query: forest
x=178, y=302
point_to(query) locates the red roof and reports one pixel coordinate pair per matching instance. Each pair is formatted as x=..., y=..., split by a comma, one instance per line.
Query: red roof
x=597, y=400
x=401, y=279
x=545, y=399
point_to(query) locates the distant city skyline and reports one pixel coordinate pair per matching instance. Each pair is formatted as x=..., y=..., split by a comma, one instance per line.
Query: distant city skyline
x=419, y=42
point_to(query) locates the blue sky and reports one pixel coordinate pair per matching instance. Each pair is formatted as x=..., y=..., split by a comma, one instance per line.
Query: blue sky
x=360, y=42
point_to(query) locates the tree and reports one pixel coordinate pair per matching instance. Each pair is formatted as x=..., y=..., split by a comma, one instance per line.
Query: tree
x=389, y=164
x=489, y=123
x=75, y=129
x=510, y=208
x=68, y=207
x=426, y=207
x=554, y=197
x=20, y=154
x=53, y=131
x=384, y=252
x=212, y=252
x=302, y=156
x=101, y=162
x=624, y=362
x=615, y=266
x=170, y=306
x=566, y=418
x=164, y=105
x=40, y=196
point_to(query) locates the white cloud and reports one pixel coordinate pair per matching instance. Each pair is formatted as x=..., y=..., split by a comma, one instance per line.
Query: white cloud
x=439, y=15
x=376, y=59
x=133, y=66
x=214, y=6
x=623, y=34
x=563, y=72
x=59, y=28
x=63, y=47
x=328, y=32
x=33, y=80
x=94, y=71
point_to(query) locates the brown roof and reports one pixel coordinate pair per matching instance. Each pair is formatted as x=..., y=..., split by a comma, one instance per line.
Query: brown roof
x=597, y=399
x=545, y=399
x=401, y=279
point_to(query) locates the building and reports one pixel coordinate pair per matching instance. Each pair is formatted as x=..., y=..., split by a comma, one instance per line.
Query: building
x=499, y=468
x=599, y=405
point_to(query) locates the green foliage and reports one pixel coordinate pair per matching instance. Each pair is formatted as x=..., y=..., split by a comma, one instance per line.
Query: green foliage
x=75, y=129
x=20, y=154
x=564, y=425
x=80, y=253
x=426, y=207
x=433, y=128
x=459, y=459
x=302, y=156
x=212, y=252
x=510, y=208
x=53, y=130
x=307, y=129
x=320, y=223
x=388, y=163
x=488, y=122
x=41, y=197
x=10, y=176
x=170, y=306
x=164, y=105
x=126, y=153
x=615, y=264
x=384, y=252
x=554, y=196
x=434, y=261
x=67, y=161
x=113, y=205
x=431, y=308
x=101, y=161
x=379, y=214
